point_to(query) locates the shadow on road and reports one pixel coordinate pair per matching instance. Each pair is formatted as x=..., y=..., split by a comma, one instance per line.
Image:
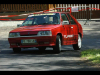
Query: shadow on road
x=47, y=61
x=36, y=53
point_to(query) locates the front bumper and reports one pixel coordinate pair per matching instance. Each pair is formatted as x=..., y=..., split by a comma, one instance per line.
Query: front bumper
x=41, y=41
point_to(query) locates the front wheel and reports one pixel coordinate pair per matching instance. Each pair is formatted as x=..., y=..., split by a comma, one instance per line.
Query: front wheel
x=78, y=45
x=57, y=48
x=16, y=50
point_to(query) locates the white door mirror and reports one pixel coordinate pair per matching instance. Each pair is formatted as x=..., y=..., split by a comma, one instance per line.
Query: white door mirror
x=65, y=22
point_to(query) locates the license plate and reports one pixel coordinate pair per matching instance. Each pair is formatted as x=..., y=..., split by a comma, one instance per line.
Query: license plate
x=28, y=41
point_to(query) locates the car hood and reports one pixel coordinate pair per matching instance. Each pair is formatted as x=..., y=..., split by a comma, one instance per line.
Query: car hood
x=35, y=28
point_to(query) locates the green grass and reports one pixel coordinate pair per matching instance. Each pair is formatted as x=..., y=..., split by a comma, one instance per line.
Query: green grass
x=92, y=55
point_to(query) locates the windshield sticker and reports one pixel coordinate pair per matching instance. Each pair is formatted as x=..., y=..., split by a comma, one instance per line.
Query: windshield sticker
x=41, y=14
x=50, y=18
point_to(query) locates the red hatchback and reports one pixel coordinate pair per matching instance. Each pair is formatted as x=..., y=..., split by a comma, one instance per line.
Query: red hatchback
x=48, y=29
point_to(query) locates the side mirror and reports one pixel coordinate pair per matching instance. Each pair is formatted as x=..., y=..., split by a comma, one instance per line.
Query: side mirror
x=65, y=22
x=19, y=25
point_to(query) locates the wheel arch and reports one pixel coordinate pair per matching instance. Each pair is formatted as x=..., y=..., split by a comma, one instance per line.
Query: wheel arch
x=60, y=36
x=80, y=35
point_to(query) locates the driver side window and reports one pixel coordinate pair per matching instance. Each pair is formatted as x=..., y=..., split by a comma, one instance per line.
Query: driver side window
x=64, y=17
x=71, y=19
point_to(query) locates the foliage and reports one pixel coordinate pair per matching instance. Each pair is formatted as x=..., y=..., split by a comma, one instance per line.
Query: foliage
x=92, y=55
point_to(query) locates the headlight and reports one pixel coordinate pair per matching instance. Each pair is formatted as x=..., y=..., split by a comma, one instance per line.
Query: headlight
x=44, y=33
x=14, y=34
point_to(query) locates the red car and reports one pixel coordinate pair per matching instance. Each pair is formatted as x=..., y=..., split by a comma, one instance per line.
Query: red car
x=48, y=29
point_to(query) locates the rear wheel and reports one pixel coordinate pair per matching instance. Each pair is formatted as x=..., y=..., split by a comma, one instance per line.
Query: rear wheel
x=16, y=50
x=57, y=48
x=78, y=45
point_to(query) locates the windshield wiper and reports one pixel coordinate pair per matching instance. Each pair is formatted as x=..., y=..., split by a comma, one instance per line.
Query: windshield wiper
x=28, y=24
x=44, y=23
x=31, y=24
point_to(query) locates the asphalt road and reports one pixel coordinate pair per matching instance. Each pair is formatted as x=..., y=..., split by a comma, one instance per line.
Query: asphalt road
x=31, y=60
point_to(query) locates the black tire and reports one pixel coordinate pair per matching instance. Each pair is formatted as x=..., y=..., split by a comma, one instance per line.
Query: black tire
x=41, y=49
x=78, y=45
x=16, y=50
x=57, y=48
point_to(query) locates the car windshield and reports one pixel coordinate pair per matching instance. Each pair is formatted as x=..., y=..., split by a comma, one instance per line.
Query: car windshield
x=42, y=19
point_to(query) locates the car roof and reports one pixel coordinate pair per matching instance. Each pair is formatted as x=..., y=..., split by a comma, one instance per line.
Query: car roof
x=47, y=12
x=56, y=12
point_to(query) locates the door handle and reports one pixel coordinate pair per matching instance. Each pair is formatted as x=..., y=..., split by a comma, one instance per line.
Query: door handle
x=71, y=27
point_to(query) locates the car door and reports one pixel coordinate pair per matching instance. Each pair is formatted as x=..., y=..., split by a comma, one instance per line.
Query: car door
x=73, y=27
x=68, y=36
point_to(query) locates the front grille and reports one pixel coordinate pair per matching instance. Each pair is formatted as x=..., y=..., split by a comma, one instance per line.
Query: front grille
x=29, y=35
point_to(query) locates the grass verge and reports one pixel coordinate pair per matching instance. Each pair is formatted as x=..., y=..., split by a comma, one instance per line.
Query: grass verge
x=91, y=54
